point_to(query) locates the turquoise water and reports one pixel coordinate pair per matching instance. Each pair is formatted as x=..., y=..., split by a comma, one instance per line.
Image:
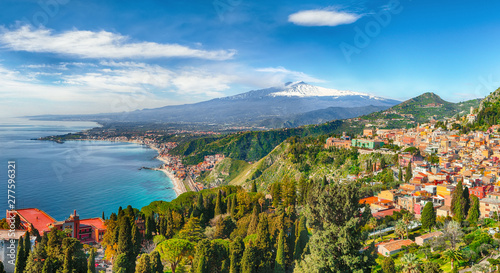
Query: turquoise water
x=89, y=176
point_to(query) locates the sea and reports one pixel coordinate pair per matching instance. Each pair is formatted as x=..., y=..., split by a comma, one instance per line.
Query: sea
x=90, y=177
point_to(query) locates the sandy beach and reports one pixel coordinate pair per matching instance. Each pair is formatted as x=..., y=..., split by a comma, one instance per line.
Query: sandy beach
x=179, y=187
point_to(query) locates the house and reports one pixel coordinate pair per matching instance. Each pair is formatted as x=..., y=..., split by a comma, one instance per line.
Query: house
x=421, y=240
x=392, y=247
x=387, y=195
x=367, y=144
x=488, y=207
x=444, y=211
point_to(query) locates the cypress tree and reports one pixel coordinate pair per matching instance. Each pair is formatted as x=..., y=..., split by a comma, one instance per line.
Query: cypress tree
x=428, y=218
x=20, y=261
x=125, y=245
x=276, y=194
x=156, y=265
x=264, y=244
x=254, y=186
x=280, y=265
x=302, y=239
x=136, y=240
x=2, y=268
x=201, y=263
x=218, y=204
x=103, y=217
x=466, y=201
x=236, y=254
x=91, y=262
x=143, y=264
x=400, y=174
x=473, y=214
x=457, y=203
x=27, y=246
x=382, y=163
x=254, y=221
x=199, y=206
x=409, y=174
x=67, y=264
x=48, y=266
x=249, y=262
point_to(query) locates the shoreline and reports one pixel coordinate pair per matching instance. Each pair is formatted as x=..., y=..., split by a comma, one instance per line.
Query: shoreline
x=179, y=187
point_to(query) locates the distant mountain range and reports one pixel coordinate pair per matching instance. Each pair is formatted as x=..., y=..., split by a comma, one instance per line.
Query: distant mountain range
x=293, y=105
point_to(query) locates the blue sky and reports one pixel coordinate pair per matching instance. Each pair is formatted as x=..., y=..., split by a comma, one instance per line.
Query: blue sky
x=68, y=56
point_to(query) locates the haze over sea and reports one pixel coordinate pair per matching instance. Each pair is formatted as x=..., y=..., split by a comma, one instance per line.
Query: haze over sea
x=89, y=176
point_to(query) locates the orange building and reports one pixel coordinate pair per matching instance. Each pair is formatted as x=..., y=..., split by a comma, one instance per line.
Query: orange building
x=86, y=230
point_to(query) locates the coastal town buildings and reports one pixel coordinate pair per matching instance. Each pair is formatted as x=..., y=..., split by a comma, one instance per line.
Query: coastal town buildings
x=86, y=230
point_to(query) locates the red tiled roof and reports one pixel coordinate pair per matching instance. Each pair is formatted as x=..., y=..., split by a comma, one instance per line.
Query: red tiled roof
x=96, y=222
x=38, y=218
x=368, y=200
x=384, y=213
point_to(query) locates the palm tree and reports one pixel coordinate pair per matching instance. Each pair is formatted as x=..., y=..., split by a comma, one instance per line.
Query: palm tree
x=410, y=263
x=400, y=229
x=453, y=255
x=407, y=219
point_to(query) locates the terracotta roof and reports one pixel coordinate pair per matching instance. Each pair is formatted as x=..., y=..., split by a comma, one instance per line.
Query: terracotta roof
x=38, y=218
x=395, y=245
x=368, y=200
x=96, y=222
x=384, y=213
x=430, y=235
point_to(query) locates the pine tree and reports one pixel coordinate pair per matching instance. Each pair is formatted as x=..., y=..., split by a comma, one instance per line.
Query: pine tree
x=91, y=262
x=218, y=204
x=457, y=203
x=428, y=218
x=336, y=216
x=236, y=254
x=279, y=266
x=20, y=261
x=473, y=214
x=254, y=186
x=302, y=238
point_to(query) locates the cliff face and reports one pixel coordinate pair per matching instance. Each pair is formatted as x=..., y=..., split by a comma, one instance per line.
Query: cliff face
x=491, y=98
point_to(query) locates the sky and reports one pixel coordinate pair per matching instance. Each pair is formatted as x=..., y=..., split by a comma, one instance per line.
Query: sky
x=79, y=57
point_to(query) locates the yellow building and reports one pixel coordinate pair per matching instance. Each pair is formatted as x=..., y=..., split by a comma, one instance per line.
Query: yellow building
x=387, y=195
x=444, y=190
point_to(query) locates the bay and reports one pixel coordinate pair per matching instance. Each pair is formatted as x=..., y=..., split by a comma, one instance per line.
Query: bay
x=89, y=176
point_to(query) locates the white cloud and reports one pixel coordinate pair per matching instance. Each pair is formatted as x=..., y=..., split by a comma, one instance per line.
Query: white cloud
x=318, y=17
x=284, y=75
x=102, y=44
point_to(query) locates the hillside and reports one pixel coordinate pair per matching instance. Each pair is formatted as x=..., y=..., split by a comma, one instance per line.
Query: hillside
x=488, y=113
x=419, y=110
x=252, y=146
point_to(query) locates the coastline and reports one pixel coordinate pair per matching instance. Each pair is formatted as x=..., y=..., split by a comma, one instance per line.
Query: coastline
x=179, y=187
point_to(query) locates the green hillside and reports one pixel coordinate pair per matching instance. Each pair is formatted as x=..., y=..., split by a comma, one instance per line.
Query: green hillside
x=489, y=112
x=252, y=146
x=419, y=110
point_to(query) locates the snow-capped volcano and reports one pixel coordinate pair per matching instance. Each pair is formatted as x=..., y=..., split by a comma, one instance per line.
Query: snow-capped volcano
x=270, y=107
x=301, y=89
